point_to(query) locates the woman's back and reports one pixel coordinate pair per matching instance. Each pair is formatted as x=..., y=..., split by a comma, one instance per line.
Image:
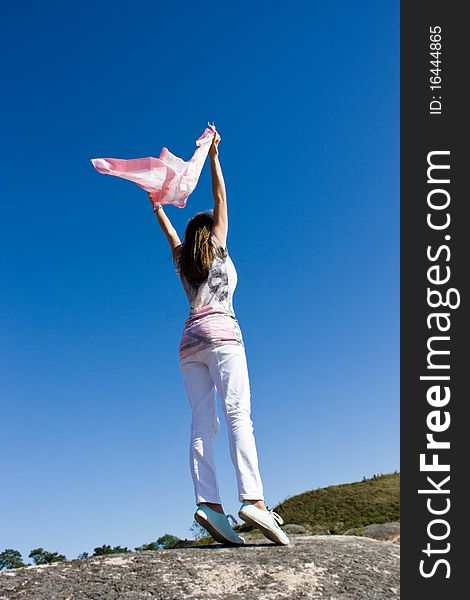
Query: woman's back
x=211, y=317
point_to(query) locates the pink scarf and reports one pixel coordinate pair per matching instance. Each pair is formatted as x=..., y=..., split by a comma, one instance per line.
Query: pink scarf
x=169, y=179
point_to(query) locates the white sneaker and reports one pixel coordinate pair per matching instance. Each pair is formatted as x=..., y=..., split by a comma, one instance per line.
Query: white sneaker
x=217, y=524
x=266, y=521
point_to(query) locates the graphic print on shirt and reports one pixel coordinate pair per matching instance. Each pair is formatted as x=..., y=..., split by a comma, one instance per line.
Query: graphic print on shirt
x=218, y=283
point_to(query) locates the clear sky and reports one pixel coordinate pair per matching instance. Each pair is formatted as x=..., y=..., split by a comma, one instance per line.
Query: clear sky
x=94, y=417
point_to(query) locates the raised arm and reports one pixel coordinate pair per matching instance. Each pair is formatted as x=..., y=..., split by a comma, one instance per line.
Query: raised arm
x=220, y=228
x=167, y=227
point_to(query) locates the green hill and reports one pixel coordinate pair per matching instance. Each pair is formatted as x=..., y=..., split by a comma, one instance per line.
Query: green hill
x=340, y=507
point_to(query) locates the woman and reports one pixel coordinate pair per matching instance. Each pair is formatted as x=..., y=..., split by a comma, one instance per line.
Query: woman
x=212, y=358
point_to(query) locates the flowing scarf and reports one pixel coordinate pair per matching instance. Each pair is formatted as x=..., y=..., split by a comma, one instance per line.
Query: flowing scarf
x=168, y=178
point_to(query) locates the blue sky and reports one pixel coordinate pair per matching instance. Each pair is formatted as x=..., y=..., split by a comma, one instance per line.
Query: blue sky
x=94, y=420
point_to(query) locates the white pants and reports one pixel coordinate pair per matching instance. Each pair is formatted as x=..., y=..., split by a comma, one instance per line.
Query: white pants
x=224, y=369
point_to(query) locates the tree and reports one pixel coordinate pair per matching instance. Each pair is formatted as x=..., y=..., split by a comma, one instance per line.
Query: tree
x=197, y=530
x=144, y=547
x=43, y=557
x=167, y=541
x=101, y=550
x=82, y=556
x=10, y=559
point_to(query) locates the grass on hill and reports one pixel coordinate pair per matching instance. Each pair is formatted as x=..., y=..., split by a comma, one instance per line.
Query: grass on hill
x=340, y=507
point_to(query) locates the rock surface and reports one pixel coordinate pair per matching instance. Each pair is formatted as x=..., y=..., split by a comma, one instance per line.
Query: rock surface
x=316, y=567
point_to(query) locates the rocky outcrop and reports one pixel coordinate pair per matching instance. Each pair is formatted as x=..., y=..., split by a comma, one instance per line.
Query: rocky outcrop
x=294, y=529
x=386, y=532
x=329, y=567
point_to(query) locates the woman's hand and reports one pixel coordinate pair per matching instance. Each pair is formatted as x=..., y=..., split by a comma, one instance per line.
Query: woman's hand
x=213, y=150
x=154, y=204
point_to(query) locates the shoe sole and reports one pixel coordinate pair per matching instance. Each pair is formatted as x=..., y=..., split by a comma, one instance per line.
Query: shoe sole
x=215, y=533
x=269, y=533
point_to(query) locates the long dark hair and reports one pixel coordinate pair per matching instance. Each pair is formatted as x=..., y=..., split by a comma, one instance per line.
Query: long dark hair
x=197, y=253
